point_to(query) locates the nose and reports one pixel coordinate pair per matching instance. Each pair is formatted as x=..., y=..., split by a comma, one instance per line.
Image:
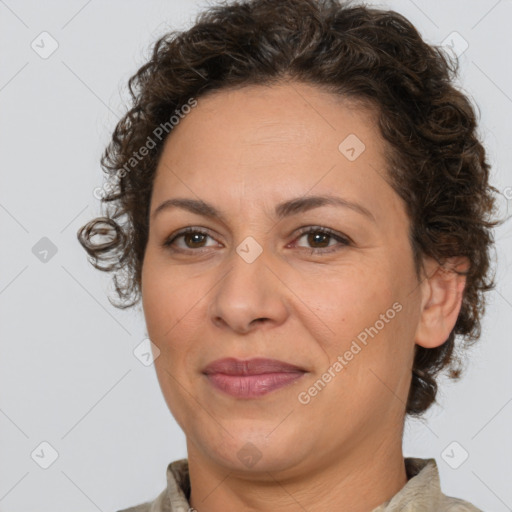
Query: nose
x=248, y=295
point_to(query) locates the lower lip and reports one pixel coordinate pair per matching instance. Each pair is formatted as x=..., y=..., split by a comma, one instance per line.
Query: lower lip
x=251, y=386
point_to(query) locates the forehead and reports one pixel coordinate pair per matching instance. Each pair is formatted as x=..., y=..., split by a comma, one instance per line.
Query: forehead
x=289, y=113
x=268, y=141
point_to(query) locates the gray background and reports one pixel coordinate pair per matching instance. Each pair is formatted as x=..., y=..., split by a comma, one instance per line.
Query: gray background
x=68, y=375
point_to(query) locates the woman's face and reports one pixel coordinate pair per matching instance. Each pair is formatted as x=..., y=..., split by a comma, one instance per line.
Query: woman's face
x=342, y=307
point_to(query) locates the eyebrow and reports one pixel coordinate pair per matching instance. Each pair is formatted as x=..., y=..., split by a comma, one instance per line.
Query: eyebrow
x=282, y=210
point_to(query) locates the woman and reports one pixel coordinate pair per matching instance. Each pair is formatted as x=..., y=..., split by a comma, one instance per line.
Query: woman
x=303, y=206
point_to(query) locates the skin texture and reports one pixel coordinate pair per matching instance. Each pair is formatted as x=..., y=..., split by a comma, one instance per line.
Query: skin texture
x=244, y=151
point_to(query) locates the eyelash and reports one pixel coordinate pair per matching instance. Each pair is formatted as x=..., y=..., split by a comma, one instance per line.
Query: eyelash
x=345, y=241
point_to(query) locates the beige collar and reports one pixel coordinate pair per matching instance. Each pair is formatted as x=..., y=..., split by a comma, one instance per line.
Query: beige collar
x=422, y=492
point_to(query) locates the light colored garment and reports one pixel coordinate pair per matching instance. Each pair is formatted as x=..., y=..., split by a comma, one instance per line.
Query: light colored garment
x=421, y=493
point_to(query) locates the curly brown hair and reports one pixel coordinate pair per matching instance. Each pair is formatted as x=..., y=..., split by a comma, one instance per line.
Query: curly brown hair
x=436, y=162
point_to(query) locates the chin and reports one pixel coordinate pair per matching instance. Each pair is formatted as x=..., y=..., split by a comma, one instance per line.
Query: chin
x=246, y=449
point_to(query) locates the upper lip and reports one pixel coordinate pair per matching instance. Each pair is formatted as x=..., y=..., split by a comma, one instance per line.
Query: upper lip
x=255, y=366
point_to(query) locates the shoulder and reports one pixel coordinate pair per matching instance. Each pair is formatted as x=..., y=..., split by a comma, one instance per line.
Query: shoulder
x=174, y=497
x=423, y=492
x=426, y=474
x=449, y=504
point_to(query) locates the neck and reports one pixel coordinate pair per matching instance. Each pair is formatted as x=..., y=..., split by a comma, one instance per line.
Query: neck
x=359, y=481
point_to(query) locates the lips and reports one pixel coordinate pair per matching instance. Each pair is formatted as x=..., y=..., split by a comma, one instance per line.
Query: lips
x=256, y=366
x=251, y=378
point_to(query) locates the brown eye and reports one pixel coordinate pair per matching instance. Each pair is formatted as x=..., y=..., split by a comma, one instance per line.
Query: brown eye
x=315, y=237
x=192, y=238
x=320, y=239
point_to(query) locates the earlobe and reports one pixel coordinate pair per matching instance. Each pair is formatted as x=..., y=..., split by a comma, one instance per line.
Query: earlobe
x=442, y=294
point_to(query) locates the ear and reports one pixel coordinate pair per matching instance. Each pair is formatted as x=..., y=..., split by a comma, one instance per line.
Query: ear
x=442, y=292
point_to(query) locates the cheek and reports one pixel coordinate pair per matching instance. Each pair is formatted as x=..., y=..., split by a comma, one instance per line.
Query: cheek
x=170, y=316
x=359, y=317
x=174, y=310
x=166, y=297
x=346, y=302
